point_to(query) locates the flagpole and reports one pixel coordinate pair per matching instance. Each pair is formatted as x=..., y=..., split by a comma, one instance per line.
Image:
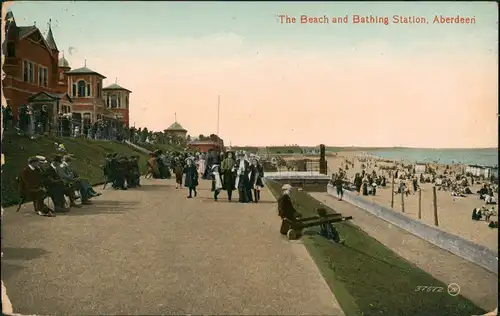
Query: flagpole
x=218, y=114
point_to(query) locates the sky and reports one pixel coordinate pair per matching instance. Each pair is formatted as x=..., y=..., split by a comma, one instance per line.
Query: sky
x=373, y=85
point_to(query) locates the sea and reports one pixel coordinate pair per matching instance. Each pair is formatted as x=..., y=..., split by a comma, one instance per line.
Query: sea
x=482, y=157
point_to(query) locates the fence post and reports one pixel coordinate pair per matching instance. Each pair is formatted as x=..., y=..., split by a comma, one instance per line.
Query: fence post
x=392, y=191
x=419, y=203
x=402, y=202
x=434, y=201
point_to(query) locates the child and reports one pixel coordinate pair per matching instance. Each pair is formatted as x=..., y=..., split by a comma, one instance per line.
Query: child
x=216, y=181
x=191, y=181
x=327, y=230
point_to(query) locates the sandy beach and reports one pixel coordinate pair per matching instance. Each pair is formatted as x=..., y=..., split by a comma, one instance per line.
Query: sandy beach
x=454, y=213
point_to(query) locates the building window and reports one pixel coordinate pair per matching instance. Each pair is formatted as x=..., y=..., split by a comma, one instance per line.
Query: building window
x=81, y=89
x=43, y=76
x=119, y=101
x=28, y=71
x=114, y=101
x=11, y=49
x=88, y=89
x=107, y=101
x=74, y=90
x=126, y=102
x=61, y=76
x=40, y=74
x=98, y=90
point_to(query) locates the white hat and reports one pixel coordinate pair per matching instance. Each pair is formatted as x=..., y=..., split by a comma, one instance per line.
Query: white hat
x=41, y=158
x=215, y=166
x=286, y=187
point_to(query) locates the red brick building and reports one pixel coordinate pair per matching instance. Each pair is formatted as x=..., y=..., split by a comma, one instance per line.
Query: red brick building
x=36, y=76
x=117, y=101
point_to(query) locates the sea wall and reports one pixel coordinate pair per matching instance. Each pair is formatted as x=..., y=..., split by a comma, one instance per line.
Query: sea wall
x=470, y=251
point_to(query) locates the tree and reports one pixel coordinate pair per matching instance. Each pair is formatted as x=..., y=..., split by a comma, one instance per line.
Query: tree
x=188, y=138
x=201, y=137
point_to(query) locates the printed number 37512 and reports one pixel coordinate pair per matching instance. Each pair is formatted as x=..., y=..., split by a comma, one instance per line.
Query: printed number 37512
x=423, y=288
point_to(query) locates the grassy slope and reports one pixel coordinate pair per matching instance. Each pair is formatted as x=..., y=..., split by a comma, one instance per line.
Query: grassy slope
x=369, y=279
x=89, y=155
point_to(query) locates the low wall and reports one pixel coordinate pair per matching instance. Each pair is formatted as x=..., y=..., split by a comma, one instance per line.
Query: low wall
x=307, y=180
x=139, y=148
x=470, y=251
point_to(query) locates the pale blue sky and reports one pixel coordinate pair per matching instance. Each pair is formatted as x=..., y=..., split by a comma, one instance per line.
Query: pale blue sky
x=84, y=24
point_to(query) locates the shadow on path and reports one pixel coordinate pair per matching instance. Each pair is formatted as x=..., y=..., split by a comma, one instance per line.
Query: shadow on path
x=22, y=253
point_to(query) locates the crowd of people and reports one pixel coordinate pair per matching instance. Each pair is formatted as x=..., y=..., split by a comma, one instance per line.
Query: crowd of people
x=36, y=122
x=228, y=172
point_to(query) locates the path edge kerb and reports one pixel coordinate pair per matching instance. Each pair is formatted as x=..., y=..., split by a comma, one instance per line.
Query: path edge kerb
x=465, y=249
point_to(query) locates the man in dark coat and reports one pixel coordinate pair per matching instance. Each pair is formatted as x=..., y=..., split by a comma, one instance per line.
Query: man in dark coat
x=286, y=209
x=31, y=187
x=56, y=187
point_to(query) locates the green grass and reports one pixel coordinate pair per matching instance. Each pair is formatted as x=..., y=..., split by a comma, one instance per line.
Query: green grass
x=89, y=156
x=370, y=279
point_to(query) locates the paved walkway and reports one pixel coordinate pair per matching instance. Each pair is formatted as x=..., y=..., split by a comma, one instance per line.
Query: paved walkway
x=152, y=251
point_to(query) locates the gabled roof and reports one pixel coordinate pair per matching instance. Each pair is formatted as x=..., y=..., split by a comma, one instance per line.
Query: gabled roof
x=26, y=31
x=53, y=96
x=84, y=71
x=176, y=127
x=115, y=86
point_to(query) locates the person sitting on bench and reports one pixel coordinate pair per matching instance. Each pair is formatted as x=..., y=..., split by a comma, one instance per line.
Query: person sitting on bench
x=31, y=187
x=327, y=230
x=56, y=187
x=286, y=209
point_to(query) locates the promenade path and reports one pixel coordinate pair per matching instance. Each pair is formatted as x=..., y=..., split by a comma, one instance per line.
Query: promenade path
x=152, y=251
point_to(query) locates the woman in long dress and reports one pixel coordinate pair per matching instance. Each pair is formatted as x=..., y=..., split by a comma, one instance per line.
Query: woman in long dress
x=201, y=165
x=153, y=167
x=243, y=180
x=256, y=175
x=228, y=174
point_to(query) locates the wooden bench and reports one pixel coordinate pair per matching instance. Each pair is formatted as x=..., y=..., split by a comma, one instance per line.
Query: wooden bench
x=299, y=224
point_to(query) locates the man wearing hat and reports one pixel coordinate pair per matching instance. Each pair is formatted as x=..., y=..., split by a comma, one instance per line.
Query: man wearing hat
x=56, y=187
x=69, y=175
x=31, y=186
x=286, y=209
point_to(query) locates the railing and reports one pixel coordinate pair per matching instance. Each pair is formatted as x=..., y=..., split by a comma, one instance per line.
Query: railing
x=67, y=127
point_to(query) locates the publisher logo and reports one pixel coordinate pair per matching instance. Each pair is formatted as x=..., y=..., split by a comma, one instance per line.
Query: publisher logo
x=453, y=289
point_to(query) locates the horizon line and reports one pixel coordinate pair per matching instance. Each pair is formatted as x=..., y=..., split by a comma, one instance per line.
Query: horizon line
x=365, y=147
